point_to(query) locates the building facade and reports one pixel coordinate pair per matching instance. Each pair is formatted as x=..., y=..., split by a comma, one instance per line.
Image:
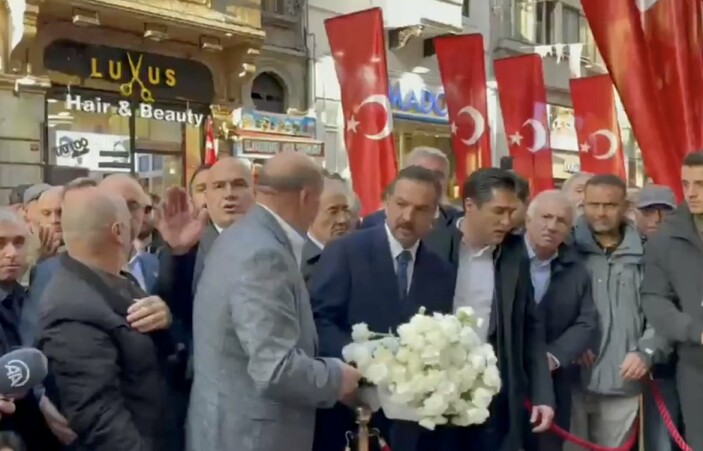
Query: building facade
x=556, y=29
x=95, y=87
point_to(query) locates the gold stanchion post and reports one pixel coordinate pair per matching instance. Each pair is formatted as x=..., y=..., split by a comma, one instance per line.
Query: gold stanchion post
x=363, y=417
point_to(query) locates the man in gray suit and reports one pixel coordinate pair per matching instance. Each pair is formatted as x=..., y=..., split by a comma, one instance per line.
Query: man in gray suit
x=257, y=382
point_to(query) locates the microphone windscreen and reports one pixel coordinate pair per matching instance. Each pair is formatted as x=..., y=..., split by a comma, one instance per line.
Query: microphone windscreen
x=21, y=370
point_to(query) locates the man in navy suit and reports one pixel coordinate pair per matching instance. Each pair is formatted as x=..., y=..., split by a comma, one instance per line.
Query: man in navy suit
x=381, y=276
x=436, y=161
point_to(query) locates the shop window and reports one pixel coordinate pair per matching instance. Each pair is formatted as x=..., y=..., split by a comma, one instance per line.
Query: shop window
x=103, y=133
x=268, y=93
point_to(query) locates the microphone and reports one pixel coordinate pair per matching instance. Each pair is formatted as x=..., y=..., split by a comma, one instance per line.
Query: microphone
x=21, y=370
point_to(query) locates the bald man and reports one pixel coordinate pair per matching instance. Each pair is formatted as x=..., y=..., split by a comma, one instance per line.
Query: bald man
x=334, y=219
x=254, y=335
x=107, y=374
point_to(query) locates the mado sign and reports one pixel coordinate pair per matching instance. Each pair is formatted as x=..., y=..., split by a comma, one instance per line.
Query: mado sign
x=417, y=104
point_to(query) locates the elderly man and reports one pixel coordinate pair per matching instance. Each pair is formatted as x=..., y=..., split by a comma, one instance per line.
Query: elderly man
x=105, y=353
x=257, y=381
x=332, y=221
x=574, y=187
x=42, y=206
x=562, y=291
x=655, y=203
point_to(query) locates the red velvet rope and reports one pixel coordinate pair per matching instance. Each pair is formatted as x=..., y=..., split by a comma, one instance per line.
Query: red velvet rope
x=631, y=439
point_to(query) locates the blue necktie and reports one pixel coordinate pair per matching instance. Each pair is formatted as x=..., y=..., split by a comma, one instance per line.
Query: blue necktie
x=403, y=259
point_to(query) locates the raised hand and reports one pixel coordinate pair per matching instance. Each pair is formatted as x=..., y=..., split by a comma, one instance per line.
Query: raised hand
x=49, y=243
x=177, y=222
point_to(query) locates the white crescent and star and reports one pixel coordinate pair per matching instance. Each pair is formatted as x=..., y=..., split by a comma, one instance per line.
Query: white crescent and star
x=612, y=144
x=387, y=129
x=479, y=124
x=645, y=5
x=540, y=141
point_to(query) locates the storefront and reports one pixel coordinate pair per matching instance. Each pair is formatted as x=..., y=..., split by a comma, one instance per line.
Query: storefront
x=150, y=125
x=259, y=135
x=119, y=85
x=420, y=119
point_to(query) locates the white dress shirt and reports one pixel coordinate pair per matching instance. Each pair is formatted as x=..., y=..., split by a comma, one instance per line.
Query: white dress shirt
x=134, y=267
x=297, y=241
x=218, y=228
x=475, y=284
x=315, y=241
x=396, y=249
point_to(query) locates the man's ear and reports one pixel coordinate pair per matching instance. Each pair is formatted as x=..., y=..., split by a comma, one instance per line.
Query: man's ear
x=469, y=205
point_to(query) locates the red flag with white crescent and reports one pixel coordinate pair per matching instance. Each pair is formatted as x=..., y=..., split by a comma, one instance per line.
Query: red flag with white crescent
x=617, y=30
x=597, y=129
x=210, y=153
x=358, y=48
x=464, y=81
x=674, y=37
x=523, y=100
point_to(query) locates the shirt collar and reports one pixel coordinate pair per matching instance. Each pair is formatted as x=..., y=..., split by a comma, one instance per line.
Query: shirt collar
x=297, y=241
x=11, y=291
x=315, y=241
x=220, y=229
x=533, y=255
x=397, y=248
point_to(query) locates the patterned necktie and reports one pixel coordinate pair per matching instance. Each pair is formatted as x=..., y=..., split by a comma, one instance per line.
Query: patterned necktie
x=403, y=259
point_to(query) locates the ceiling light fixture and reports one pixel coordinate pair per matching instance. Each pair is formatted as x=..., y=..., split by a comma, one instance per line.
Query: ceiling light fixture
x=155, y=32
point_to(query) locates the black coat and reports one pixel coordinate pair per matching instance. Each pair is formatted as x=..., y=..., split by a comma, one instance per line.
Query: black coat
x=107, y=379
x=517, y=332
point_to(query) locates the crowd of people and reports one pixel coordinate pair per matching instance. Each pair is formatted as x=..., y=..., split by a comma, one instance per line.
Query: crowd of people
x=214, y=319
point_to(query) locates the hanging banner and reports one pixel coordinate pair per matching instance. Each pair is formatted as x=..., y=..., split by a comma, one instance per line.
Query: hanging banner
x=617, y=30
x=359, y=51
x=600, y=145
x=523, y=100
x=464, y=81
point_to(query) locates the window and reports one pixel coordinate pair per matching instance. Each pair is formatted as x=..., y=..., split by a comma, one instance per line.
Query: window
x=533, y=21
x=573, y=26
x=268, y=93
x=143, y=163
x=157, y=162
x=274, y=6
x=466, y=8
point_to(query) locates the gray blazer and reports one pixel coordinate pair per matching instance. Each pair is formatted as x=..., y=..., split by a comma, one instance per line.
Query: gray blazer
x=256, y=382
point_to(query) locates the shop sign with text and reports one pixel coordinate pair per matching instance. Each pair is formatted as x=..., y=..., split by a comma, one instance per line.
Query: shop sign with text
x=145, y=77
x=93, y=151
x=280, y=124
x=75, y=102
x=428, y=103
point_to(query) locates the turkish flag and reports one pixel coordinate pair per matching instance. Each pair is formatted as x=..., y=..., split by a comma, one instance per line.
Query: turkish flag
x=617, y=30
x=359, y=51
x=464, y=81
x=672, y=30
x=523, y=100
x=597, y=126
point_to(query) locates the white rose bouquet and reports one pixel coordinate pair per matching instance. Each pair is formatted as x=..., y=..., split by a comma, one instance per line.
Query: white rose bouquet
x=435, y=371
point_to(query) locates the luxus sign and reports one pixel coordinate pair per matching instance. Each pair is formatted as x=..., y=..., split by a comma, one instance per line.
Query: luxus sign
x=124, y=108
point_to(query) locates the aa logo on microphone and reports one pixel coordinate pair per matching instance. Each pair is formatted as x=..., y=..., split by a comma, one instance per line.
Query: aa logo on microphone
x=17, y=372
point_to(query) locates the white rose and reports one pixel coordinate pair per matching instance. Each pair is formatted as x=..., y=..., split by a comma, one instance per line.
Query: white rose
x=478, y=416
x=360, y=332
x=376, y=373
x=481, y=398
x=435, y=405
x=477, y=361
x=491, y=377
x=357, y=353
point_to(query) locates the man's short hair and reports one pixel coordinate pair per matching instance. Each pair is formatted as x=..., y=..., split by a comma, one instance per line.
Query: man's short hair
x=693, y=159
x=17, y=194
x=34, y=192
x=570, y=181
x=198, y=170
x=608, y=180
x=479, y=186
x=426, y=152
x=417, y=174
x=304, y=178
x=522, y=188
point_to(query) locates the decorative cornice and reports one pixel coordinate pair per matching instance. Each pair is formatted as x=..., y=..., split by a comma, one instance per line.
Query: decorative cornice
x=29, y=30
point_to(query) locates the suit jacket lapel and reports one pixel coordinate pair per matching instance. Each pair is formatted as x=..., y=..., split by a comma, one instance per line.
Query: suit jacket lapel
x=310, y=251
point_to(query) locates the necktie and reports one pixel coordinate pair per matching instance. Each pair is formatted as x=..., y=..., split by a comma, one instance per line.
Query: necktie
x=403, y=259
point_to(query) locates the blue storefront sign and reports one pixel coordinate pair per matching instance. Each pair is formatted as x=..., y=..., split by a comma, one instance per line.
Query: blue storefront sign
x=423, y=105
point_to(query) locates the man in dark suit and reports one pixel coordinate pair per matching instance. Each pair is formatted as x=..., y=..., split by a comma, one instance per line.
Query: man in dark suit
x=332, y=221
x=562, y=291
x=436, y=161
x=493, y=278
x=381, y=276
